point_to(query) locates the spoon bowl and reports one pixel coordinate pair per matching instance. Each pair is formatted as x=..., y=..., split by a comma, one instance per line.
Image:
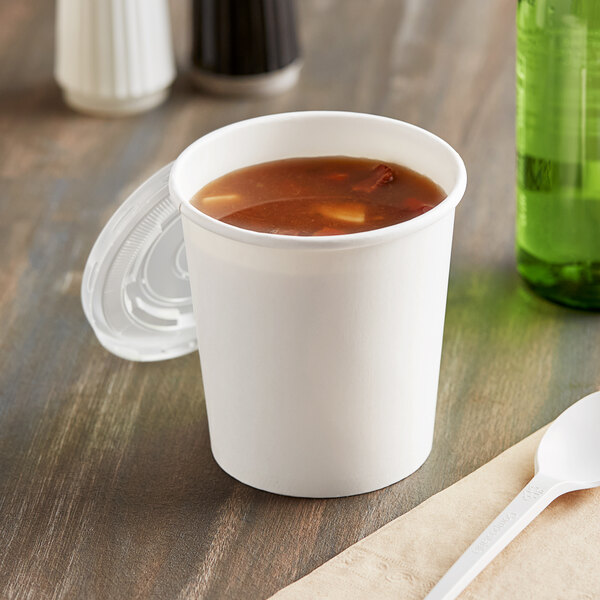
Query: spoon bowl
x=570, y=448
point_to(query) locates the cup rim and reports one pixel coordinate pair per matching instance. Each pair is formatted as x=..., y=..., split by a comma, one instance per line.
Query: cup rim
x=363, y=238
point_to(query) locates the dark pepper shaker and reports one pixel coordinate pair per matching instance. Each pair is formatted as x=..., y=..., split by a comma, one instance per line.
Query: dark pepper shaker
x=245, y=47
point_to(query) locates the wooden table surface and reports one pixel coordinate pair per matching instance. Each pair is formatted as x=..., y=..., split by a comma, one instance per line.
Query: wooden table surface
x=107, y=485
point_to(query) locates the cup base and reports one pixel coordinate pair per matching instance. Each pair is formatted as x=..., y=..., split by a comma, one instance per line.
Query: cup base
x=322, y=490
x=111, y=107
x=264, y=84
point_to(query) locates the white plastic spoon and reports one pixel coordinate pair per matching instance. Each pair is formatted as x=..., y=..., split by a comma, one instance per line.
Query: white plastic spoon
x=567, y=459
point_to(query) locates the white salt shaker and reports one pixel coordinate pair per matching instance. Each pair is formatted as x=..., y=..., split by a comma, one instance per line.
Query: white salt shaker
x=114, y=57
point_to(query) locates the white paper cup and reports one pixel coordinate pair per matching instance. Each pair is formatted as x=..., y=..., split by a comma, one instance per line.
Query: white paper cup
x=320, y=355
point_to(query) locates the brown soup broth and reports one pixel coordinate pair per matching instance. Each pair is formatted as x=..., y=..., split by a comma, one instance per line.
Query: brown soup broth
x=326, y=195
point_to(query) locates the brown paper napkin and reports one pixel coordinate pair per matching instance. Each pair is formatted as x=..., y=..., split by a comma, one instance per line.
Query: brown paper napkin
x=556, y=557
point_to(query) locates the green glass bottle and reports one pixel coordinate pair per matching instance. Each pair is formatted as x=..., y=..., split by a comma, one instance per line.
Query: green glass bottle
x=558, y=149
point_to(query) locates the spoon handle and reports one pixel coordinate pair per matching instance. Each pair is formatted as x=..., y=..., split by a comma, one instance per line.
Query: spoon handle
x=529, y=503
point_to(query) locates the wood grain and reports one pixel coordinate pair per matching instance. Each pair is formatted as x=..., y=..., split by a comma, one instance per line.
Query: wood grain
x=107, y=485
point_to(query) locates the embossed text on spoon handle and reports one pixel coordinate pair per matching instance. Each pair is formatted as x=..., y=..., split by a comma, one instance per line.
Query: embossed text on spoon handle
x=530, y=501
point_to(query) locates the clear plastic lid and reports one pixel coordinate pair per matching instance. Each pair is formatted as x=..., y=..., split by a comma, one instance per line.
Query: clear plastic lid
x=135, y=289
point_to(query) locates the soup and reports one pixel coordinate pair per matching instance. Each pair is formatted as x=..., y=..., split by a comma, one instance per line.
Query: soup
x=317, y=196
